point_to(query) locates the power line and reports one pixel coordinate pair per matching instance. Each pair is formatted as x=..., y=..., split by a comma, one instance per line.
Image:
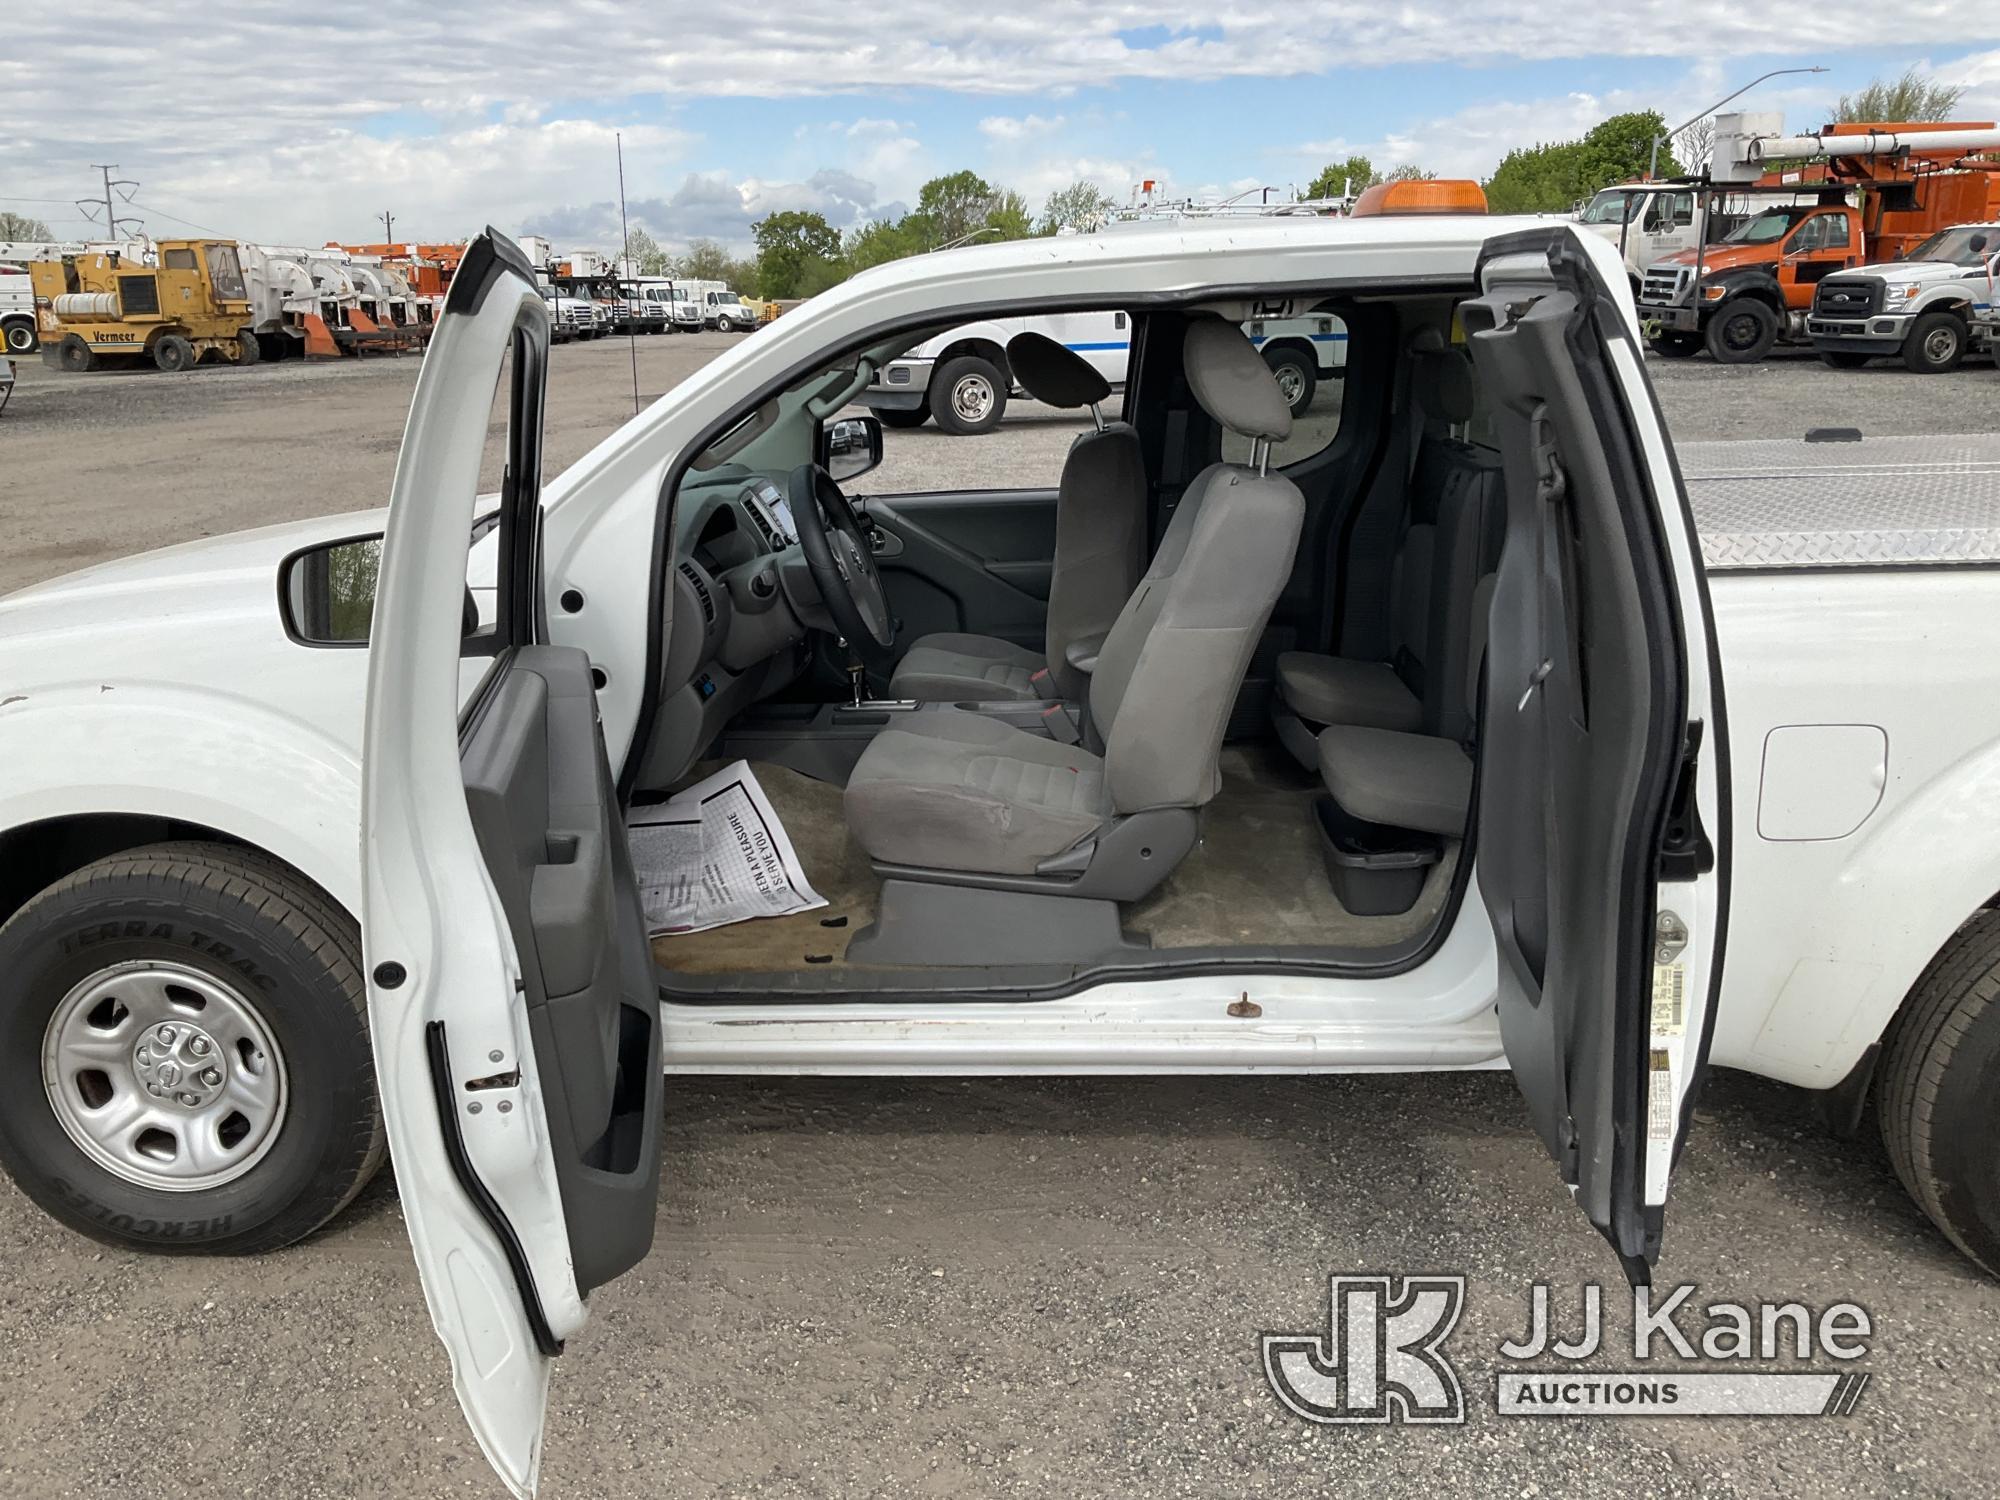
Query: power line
x=176, y=218
x=388, y=227
x=111, y=217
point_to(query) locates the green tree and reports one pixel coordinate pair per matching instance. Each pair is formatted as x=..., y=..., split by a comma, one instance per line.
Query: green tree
x=1553, y=177
x=1009, y=218
x=15, y=226
x=1409, y=171
x=1338, y=177
x=788, y=243
x=952, y=207
x=644, y=255
x=878, y=243
x=1911, y=97
x=707, y=260
x=1082, y=207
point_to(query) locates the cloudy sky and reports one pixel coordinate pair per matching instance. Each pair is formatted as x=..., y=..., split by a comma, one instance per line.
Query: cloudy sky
x=298, y=124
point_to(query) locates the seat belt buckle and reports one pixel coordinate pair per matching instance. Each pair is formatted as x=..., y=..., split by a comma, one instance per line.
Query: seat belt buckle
x=1061, y=727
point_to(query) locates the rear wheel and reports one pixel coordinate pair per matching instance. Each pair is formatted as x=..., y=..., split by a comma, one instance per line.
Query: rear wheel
x=185, y=1052
x=1675, y=344
x=915, y=416
x=20, y=337
x=1741, y=331
x=1936, y=343
x=1843, y=359
x=1938, y=1094
x=1297, y=379
x=76, y=355
x=968, y=395
x=248, y=351
x=173, y=353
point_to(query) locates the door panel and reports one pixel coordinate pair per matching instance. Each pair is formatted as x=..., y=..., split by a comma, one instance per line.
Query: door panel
x=978, y=561
x=1596, y=674
x=510, y=998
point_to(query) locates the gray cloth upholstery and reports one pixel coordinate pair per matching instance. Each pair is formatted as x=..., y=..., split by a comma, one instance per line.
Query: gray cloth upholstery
x=1231, y=381
x=1403, y=780
x=951, y=668
x=1053, y=374
x=1444, y=382
x=954, y=791
x=1340, y=690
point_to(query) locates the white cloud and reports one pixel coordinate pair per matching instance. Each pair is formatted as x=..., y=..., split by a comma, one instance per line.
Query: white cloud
x=1019, y=127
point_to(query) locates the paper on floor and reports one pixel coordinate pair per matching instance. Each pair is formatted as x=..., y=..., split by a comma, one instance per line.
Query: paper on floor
x=716, y=853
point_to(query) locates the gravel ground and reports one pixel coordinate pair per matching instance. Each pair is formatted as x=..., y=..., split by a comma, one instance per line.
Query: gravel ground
x=1005, y=1287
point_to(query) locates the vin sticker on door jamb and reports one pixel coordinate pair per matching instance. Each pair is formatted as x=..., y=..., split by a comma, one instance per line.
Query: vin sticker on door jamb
x=1669, y=999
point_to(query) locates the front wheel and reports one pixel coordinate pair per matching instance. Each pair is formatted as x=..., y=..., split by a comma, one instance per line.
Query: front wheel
x=1675, y=344
x=20, y=337
x=173, y=353
x=248, y=350
x=725, y=325
x=968, y=395
x=1938, y=1108
x=1741, y=331
x=1843, y=359
x=76, y=356
x=1935, y=344
x=903, y=418
x=185, y=1052
x=1296, y=377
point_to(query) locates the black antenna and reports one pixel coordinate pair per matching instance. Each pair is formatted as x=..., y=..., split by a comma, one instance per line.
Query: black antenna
x=625, y=255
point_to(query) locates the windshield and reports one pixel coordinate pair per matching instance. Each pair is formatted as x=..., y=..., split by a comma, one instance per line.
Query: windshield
x=225, y=271
x=1772, y=224
x=1959, y=247
x=1612, y=207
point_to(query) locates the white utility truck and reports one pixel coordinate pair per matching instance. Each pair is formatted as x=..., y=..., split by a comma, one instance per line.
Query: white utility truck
x=1930, y=309
x=1626, y=763
x=17, y=311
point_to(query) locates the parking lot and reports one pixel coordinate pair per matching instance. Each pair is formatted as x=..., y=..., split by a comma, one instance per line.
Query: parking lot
x=1005, y=1286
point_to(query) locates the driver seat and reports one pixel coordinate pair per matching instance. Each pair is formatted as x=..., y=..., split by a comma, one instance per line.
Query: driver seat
x=953, y=799
x=1100, y=536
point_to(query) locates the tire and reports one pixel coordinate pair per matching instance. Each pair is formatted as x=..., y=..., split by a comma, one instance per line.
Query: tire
x=76, y=356
x=1936, y=1098
x=248, y=350
x=1675, y=344
x=203, y=935
x=725, y=325
x=968, y=395
x=1297, y=376
x=173, y=353
x=1936, y=343
x=20, y=337
x=916, y=416
x=1843, y=359
x=1741, y=331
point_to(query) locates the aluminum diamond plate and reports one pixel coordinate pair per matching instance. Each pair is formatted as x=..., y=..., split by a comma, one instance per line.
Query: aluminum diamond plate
x=1880, y=502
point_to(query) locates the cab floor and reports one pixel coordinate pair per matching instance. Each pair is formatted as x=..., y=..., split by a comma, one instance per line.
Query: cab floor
x=1255, y=880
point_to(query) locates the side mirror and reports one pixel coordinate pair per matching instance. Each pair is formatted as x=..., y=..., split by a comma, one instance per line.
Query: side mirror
x=327, y=593
x=850, y=446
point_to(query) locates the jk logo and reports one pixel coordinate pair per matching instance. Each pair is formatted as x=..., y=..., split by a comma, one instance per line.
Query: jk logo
x=1379, y=1359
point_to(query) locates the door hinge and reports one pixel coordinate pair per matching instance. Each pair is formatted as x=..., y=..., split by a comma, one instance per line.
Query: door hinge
x=1685, y=850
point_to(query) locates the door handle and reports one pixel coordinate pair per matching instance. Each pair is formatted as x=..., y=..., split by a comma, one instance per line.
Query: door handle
x=883, y=542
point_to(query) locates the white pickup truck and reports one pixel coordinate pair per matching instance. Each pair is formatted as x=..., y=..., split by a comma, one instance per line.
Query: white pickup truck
x=1931, y=308
x=314, y=839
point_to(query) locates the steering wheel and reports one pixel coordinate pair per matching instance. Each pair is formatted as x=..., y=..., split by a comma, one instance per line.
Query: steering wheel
x=842, y=564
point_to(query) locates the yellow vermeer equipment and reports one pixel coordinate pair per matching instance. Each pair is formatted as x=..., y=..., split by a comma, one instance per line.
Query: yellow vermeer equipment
x=99, y=306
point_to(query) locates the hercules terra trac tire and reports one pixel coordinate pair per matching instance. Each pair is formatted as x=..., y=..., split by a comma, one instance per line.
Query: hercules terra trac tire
x=235, y=923
x=1938, y=1092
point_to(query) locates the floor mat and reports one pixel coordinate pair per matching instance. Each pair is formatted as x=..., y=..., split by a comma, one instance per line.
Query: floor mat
x=1255, y=879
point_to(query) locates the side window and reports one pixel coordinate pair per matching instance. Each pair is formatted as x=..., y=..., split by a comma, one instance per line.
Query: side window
x=1833, y=232
x=178, y=260
x=1308, y=355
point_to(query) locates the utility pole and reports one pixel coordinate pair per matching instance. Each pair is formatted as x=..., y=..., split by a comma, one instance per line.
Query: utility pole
x=111, y=219
x=388, y=227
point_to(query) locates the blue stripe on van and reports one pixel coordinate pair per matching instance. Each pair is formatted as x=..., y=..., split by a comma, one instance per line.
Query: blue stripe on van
x=1116, y=344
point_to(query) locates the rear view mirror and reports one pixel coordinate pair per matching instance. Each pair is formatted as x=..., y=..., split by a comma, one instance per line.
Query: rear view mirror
x=327, y=593
x=850, y=446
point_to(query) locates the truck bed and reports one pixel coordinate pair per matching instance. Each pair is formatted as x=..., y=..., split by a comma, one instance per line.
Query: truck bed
x=1769, y=504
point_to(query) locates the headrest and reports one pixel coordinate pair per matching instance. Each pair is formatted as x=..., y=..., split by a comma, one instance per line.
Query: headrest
x=1442, y=376
x=1053, y=374
x=1232, y=382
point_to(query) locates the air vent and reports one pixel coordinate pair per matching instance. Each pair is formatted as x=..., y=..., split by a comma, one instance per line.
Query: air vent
x=700, y=586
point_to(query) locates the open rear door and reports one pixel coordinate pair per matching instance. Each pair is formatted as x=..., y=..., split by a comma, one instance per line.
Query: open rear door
x=510, y=988
x=1602, y=840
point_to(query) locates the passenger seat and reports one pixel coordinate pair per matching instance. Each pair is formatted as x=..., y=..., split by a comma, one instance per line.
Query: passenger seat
x=1100, y=554
x=1451, y=538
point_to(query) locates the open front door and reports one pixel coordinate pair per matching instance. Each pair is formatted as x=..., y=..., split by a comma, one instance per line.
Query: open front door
x=1602, y=845
x=510, y=988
